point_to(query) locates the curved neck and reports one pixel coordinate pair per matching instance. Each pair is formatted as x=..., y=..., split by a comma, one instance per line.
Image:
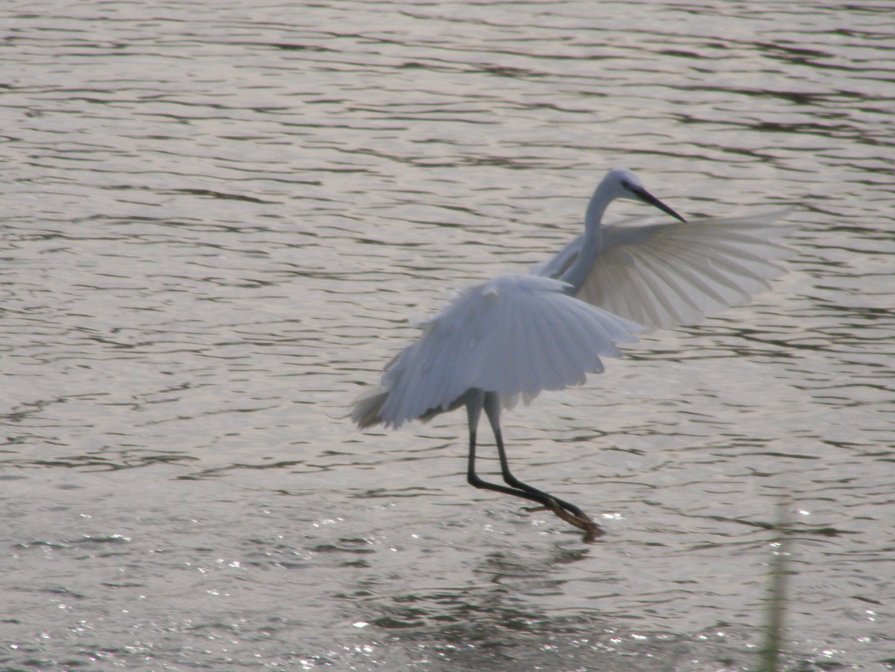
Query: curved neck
x=592, y=244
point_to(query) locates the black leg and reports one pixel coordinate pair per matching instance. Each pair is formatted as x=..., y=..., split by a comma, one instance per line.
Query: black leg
x=474, y=403
x=565, y=510
x=492, y=410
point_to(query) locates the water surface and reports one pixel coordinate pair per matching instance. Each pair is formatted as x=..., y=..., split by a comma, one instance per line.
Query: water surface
x=222, y=219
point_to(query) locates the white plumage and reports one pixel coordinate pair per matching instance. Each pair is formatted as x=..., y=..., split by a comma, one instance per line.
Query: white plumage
x=517, y=335
x=666, y=275
x=513, y=335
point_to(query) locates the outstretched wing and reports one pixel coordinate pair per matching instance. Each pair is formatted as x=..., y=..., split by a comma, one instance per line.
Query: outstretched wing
x=667, y=275
x=514, y=335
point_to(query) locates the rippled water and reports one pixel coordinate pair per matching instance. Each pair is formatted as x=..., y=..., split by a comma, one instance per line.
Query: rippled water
x=220, y=220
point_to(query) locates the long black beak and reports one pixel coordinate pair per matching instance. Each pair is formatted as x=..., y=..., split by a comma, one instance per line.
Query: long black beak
x=647, y=197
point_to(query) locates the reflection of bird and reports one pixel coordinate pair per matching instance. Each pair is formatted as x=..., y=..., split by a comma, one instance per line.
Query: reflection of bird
x=516, y=335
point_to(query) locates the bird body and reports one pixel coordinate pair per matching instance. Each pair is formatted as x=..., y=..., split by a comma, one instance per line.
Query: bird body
x=514, y=335
x=517, y=335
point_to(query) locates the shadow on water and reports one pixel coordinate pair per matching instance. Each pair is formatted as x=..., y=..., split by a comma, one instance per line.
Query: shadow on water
x=492, y=626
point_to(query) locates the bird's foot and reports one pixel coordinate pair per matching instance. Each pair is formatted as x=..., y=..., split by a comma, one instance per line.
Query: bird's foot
x=580, y=520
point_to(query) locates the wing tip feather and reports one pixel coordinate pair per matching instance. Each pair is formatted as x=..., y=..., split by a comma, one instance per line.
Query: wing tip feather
x=367, y=408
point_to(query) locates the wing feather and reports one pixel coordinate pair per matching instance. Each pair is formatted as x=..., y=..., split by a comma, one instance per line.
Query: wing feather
x=515, y=335
x=665, y=275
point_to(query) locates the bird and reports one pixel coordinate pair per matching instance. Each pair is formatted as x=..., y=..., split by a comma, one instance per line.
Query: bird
x=519, y=334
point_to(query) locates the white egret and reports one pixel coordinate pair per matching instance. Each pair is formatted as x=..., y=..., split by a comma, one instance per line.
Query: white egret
x=517, y=335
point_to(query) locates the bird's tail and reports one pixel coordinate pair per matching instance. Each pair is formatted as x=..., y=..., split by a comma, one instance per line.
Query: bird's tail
x=367, y=407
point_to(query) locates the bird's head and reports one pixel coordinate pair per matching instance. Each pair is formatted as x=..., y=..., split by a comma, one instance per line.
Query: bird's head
x=625, y=184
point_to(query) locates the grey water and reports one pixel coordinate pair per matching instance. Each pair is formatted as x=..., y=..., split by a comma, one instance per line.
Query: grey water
x=221, y=219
